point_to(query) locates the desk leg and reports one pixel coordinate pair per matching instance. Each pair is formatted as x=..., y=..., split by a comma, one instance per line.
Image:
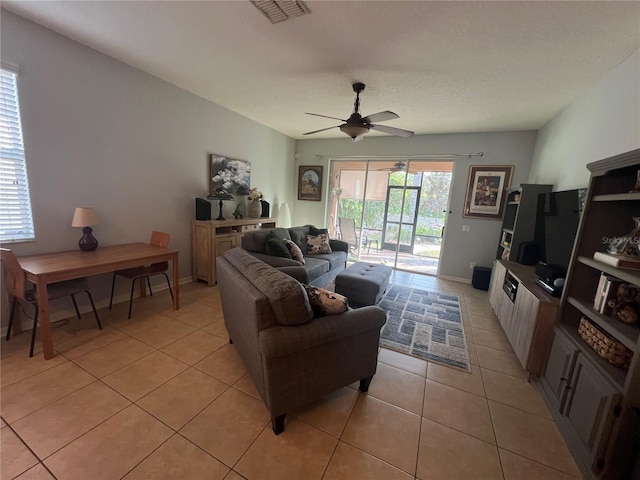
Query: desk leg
x=45, y=321
x=176, y=283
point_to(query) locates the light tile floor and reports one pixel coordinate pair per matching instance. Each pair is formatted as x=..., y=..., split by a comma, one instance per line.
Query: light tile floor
x=164, y=396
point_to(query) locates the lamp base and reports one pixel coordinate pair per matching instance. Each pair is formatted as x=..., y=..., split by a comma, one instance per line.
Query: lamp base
x=220, y=217
x=88, y=242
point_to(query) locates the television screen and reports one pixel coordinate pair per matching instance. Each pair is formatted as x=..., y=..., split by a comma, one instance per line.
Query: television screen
x=559, y=213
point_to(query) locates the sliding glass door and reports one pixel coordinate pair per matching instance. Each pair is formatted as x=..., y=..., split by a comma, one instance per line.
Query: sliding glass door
x=398, y=209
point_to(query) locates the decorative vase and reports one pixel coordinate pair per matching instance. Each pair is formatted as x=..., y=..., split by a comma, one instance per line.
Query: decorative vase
x=255, y=209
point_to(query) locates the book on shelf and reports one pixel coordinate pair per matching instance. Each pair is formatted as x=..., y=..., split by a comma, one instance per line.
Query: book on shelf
x=607, y=290
x=616, y=260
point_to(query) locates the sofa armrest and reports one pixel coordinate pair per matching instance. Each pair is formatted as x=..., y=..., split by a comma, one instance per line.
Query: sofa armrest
x=338, y=245
x=284, y=340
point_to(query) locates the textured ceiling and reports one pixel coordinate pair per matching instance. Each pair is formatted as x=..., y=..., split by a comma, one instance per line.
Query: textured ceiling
x=443, y=67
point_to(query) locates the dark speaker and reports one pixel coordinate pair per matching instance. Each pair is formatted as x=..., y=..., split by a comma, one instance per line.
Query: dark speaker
x=528, y=253
x=481, y=278
x=203, y=209
x=265, y=209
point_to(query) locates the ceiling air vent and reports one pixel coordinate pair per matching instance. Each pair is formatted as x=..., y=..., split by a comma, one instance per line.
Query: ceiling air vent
x=279, y=11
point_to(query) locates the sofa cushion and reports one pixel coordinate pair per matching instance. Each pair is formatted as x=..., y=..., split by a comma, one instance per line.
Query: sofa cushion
x=295, y=251
x=336, y=259
x=275, y=246
x=324, y=302
x=318, y=244
x=299, y=237
x=256, y=241
x=316, y=266
x=287, y=297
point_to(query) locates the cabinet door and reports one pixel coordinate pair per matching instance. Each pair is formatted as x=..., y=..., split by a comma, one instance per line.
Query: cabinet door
x=560, y=364
x=224, y=243
x=589, y=406
x=505, y=312
x=525, y=316
x=495, y=286
x=202, y=251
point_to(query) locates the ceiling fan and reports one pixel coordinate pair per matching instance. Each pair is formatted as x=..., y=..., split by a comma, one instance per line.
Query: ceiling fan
x=356, y=126
x=397, y=167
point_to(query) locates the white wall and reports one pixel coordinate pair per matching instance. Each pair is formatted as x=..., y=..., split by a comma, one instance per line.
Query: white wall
x=603, y=121
x=461, y=248
x=100, y=133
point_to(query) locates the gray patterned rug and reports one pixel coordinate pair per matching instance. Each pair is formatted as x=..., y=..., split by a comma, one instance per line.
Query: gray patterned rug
x=424, y=324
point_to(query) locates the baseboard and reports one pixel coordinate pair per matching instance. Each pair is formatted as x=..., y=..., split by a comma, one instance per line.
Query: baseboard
x=61, y=314
x=455, y=279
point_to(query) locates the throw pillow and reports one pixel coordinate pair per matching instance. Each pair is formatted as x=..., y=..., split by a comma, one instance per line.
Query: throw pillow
x=275, y=246
x=323, y=302
x=317, y=231
x=294, y=250
x=318, y=244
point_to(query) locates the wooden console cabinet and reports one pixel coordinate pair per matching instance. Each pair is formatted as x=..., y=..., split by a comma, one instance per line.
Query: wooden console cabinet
x=528, y=320
x=211, y=238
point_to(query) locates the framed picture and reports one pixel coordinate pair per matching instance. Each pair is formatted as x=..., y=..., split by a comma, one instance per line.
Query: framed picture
x=486, y=189
x=229, y=175
x=310, y=183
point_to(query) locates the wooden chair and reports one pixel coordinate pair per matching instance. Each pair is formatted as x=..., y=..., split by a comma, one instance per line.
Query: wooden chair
x=16, y=286
x=159, y=239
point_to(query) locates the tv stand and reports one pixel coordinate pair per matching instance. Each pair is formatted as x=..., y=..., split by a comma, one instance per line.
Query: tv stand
x=527, y=320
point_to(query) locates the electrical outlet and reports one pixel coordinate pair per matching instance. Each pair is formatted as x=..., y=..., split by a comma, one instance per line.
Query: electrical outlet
x=472, y=265
x=466, y=228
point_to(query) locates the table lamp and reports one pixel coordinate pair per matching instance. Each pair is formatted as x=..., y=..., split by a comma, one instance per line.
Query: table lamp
x=222, y=195
x=85, y=217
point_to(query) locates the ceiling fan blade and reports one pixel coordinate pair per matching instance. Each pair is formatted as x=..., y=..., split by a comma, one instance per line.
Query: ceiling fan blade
x=325, y=116
x=380, y=117
x=392, y=131
x=321, y=130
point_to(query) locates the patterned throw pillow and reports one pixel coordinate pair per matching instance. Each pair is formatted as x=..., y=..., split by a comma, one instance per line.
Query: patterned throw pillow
x=323, y=302
x=294, y=250
x=318, y=244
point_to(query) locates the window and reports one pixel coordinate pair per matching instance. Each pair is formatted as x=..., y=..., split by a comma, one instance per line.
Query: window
x=16, y=222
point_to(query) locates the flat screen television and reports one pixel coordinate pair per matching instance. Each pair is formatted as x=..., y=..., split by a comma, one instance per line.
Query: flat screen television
x=558, y=219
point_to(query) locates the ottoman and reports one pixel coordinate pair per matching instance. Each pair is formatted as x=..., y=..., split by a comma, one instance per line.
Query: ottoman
x=363, y=283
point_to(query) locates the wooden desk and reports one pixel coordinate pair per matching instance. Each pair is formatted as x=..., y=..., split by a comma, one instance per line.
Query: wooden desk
x=55, y=267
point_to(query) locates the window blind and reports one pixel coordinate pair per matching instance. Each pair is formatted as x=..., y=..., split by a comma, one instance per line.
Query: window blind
x=16, y=221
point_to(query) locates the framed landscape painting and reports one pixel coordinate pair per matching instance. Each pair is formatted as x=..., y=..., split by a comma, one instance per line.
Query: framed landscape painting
x=310, y=183
x=229, y=175
x=485, y=190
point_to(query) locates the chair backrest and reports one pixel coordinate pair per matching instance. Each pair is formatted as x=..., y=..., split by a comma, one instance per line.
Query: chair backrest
x=159, y=239
x=15, y=280
x=348, y=230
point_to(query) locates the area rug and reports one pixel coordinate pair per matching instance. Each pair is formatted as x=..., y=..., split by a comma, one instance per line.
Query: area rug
x=426, y=325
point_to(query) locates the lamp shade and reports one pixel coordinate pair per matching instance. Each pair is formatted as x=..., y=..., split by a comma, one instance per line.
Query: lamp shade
x=284, y=216
x=354, y=131
x=84, y=217
x=221, y=195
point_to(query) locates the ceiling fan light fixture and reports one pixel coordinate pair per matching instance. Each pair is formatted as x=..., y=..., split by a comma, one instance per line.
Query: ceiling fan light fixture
x=354, y=131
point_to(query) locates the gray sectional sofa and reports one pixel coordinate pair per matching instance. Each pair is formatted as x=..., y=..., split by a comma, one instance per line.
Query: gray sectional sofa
x=318, y=270
x=292, y=356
